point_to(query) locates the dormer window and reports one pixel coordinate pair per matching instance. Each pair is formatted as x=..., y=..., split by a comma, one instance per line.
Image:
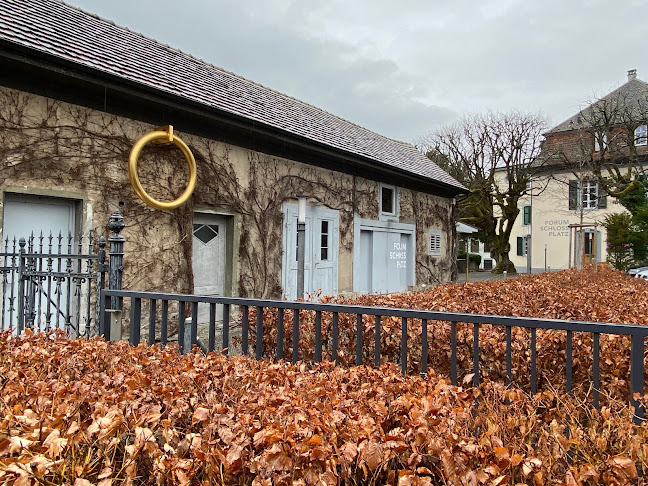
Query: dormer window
x=641, y=135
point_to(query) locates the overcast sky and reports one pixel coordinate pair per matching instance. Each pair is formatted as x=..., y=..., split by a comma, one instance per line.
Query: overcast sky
x=403, y=68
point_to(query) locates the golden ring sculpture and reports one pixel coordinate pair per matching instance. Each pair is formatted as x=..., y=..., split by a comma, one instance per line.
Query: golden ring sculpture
x=161, y=135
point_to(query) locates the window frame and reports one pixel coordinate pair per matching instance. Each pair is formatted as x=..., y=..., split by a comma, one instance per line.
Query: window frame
x=394, y=189
x=597, y=144
x=592, y=203
x=641, y=139
x=329, y=226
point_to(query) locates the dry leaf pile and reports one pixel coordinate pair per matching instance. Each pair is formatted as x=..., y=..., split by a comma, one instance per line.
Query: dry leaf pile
x=603, y=296
x=86, y=412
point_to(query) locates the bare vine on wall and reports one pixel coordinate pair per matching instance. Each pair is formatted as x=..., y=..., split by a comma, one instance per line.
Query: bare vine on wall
x=51, y=145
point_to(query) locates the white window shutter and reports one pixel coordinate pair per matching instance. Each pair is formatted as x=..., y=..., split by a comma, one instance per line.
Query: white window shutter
x=434, y=242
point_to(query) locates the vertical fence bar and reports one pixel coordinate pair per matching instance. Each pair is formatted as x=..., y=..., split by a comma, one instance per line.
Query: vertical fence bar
x=509, y=377
x=404, y=345
x=295, y=336
x=211, y=344
x=475, y=354
x=245, y=332
x=569, y=361
x=68, y=285
x=335, y=331
x=534, y=380
x=181, y=325
x=135, y=320
x=377, y=337
x=151, y=329
x=103, y=317
x=637, y=375
x=21, y=286
x=193, y=330
x=453, y=353
x=59, y=283
x=359, y=339
x=596, y=374
x=280, y=333
x=258, y=347
x=226, y=328
x=424, y=347
x=164, y=322
x=318, y=336
x=104, y=323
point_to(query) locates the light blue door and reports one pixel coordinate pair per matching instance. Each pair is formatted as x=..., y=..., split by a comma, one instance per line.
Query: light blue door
x=384, y=256
x=321, y=251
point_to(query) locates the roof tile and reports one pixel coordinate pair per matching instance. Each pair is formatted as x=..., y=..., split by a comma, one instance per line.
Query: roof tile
x=66, y=32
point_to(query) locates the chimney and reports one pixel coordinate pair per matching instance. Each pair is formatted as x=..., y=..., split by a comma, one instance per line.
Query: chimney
x=632, y=74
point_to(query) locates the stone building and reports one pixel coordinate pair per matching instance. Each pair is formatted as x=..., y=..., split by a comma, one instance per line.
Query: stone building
x=560, y=223
x=77, y=91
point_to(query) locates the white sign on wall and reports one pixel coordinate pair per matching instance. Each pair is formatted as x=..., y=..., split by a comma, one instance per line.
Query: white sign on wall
x=399, y=254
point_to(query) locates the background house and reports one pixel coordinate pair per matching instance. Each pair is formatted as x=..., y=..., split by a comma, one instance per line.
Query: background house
x=560, y=222
x=77, y=91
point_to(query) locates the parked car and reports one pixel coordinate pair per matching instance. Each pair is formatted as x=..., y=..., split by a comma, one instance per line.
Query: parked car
x=639, y=272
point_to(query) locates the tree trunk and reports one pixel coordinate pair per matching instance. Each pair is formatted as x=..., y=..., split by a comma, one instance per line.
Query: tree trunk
x=502, y=248
x=504, y=264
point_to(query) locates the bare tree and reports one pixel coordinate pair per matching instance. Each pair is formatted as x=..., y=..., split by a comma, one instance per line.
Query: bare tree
x=495, y=155
x=607, y=144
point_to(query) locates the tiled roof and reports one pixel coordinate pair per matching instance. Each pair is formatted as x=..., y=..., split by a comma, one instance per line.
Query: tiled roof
x=629, y=98
x=59, y=30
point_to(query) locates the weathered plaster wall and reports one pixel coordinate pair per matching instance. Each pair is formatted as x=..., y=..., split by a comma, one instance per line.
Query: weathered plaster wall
x=56, y=148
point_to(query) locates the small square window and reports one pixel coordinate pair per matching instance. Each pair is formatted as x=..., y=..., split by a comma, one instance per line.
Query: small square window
x=388, y=200
x=641, y=135
x=205, y=232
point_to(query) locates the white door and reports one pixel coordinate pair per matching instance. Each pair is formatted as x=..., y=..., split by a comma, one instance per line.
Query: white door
x=24, y=215
x=321, y=252
x=208, y=259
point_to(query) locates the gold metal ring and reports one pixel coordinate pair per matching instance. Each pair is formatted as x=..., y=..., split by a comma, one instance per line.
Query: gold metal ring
x=165, y=134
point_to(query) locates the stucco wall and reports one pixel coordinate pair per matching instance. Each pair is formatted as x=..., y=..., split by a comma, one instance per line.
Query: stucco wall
x=550, y=218
x=58, y=149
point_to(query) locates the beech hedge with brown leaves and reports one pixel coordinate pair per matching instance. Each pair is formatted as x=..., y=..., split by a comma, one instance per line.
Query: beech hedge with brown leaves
x=86, y=412
x=602, y=296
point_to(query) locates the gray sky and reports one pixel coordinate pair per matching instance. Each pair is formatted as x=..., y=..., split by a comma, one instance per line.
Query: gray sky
x=403, y=68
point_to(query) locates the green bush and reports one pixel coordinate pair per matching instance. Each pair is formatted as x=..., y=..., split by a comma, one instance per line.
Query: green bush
x=472, y=257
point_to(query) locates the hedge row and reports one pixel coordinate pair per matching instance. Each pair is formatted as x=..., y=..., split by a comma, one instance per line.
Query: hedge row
x=86, y=412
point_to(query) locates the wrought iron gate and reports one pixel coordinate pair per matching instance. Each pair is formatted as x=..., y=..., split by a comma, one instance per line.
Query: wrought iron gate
x=52, y=282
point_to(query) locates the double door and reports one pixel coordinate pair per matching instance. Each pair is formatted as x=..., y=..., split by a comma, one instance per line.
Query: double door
x=321, y=251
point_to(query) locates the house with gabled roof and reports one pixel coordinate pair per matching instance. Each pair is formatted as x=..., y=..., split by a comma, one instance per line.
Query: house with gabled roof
x=561, y=223
x=77, y=91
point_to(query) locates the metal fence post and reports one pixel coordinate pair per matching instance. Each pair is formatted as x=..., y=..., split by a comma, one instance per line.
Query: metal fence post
x=102, y=317
x=21, y=286
x=637, y=375
x=116, y=262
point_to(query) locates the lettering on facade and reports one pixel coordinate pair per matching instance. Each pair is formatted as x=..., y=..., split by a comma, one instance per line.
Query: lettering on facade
x=399, y=254
x=555, y=227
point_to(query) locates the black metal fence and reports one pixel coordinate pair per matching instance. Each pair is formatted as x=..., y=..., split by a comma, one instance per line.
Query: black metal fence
x=52, y=282
x=159, y=323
